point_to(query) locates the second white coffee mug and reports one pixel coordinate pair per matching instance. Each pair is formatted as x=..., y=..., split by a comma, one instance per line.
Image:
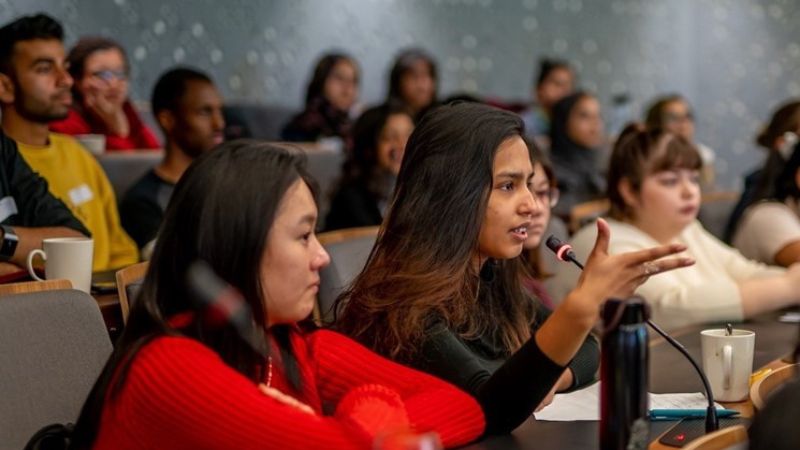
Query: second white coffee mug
x=66, y=258
x=728, y=362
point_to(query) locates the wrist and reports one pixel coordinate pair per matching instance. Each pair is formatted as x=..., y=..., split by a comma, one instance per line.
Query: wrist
x=581, y=308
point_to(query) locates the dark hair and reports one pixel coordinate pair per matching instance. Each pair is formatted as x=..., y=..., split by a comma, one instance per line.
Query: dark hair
x=548, y=66
x=323, y=69
x=638, y=153
x=220, y=213
x=85, y=48
x=531, y=256
x=785, y=118
x=559, y=124
x=402, y=65
x=786, y=183
x=654, y=118
x=362, y=165
x=26, y=28
x=172, y=85
x=420, y=271
x=775, y=426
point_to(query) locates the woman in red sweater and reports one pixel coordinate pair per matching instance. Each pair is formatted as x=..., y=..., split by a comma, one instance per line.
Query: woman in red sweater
x=180, y=379
x=100, y=70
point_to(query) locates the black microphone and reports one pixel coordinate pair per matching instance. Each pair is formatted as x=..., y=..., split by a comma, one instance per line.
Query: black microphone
x=564, y=252
x=224, y=303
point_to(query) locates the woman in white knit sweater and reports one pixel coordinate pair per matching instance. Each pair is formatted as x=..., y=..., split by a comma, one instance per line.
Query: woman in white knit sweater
x=653, y=187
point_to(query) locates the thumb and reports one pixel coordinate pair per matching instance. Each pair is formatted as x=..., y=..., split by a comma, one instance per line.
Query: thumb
x=603, y=238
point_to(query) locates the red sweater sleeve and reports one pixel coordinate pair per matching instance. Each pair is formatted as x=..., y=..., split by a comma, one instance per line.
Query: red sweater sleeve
x=431, y=404
x=179, y=394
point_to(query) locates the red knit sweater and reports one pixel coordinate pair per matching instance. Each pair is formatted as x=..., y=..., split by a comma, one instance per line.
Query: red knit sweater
x=180, y=395
x=139, y=138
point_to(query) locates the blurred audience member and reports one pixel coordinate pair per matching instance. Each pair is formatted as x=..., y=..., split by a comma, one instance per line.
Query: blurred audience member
x=554, y=82
x=413, y=81
x=379, y=141
x=28, y=212
x=778, y=138
x=36, y=91
x=100, y=72
x=654, y=190
x=545, y=190
x=673, y=113
x=769, y=230
x=330, y=96
x=576, y=137
x=188, y=108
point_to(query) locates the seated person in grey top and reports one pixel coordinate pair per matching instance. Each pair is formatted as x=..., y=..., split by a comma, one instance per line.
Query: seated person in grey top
x=442, y=289
x=188, y=109
x=28, y=211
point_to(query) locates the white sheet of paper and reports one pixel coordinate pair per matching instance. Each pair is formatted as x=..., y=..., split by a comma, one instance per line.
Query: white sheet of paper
x=585, y=404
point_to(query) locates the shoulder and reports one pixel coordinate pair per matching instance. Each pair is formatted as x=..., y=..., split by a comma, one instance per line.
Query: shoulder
x=68, y=144
x=145, y=188
x=170, y=354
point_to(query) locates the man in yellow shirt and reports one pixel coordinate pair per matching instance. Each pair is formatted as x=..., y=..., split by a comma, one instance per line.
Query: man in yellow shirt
x=35, y=90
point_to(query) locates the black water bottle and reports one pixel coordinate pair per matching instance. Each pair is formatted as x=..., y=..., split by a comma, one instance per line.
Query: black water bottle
x=624, y=421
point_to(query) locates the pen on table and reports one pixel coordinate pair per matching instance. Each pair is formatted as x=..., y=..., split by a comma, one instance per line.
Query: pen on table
x=675, y=414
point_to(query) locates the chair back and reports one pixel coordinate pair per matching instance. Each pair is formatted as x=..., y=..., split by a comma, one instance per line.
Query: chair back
x=123, y=169
x=256, y=121
x=730, y=438
x=764, y=387
x=349, y=250
x=129, y=280
x=34, y=286
x=583, y=213
x=53, y=346
x=715, y=211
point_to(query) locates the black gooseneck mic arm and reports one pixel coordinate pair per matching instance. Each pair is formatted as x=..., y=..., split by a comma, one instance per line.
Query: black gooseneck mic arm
x=564, y=252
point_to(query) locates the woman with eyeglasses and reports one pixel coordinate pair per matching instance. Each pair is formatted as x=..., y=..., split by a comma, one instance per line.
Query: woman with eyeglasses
x=100, y=71
x=674, y=114
x=545, y=190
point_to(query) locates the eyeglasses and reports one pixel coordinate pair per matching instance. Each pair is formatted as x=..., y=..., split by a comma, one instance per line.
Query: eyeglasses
x=111, y=75
x=547, y=196
x=674, y=118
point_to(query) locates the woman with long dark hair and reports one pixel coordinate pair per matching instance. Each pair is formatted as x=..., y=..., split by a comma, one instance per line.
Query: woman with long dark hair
x=178, y=378
x=369, y=174
x=576, y=138
x=441, y=290
x=330, y=96
x=100, y=69
x=413, y=81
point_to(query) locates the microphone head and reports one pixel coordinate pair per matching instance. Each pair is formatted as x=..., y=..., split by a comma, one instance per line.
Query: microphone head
x=562, y=250
x=554, y=243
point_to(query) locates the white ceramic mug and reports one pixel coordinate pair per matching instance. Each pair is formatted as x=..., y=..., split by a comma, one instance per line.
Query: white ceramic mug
x=68, y=258
x=728, y=362
x=95, y=143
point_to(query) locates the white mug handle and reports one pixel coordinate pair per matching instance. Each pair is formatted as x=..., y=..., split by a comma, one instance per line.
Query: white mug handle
x=727, y=366
x=32, y=255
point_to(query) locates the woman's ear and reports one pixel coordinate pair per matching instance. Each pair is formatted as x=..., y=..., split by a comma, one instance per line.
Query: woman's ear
x=629, y=195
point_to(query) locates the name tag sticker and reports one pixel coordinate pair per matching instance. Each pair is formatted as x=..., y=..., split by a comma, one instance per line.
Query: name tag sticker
x=80, y=195
x=8, y=207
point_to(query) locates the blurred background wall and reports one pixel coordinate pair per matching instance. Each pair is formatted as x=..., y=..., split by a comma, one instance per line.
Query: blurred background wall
x=735, y=60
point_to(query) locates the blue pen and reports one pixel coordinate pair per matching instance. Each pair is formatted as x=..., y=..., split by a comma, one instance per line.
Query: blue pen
x=677, y=414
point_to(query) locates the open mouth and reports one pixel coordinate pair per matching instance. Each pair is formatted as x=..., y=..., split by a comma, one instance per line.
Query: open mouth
x=521, y=232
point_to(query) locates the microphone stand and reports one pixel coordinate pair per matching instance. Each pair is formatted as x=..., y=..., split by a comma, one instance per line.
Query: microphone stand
x=564, y=253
